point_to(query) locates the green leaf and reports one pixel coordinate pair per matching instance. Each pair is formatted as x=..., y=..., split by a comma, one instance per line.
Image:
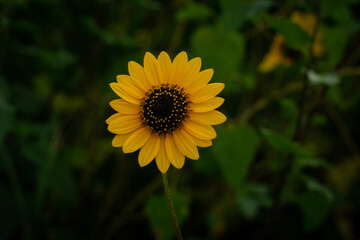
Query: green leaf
x=328, y=79
x=193, y=11
x=335, y=43
x=289, y=107
x=319, y=120
x=295, y=36
x=283, y=144
x=315, y=207
x=235, y=150
x=207, y=164
x=311, y=162
x=106, y=36
x=315, y=186
x=235, y=13
x=42, y=85
x=157, y=211
x=252, y=198
x=248, y=81
x=337, y=96
x=229, y=50
x=289, y=110
x=338, y=11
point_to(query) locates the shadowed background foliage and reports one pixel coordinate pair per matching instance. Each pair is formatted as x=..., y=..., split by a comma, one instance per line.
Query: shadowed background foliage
x=284, y=166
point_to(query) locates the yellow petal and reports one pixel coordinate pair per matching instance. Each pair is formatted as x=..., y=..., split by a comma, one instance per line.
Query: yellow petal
x=186, y=144
x=124, y=124
x=307, y=21
x=177, y=67
x=207, y=105
x=119, y=139
x=202, y=143
x=202, y=79
x=152, y=69
x=191, y=72
x=124, y=107
x=149, y=150
x=275, y=56
x=113, y=117
x=129, y=86
x=137, y=74
x=176, y=158
x=136, y=140
x=207, y=92
x=165, y=66
x=124, y=95
x=200, y=131
x=208, y=118
x=161, y=159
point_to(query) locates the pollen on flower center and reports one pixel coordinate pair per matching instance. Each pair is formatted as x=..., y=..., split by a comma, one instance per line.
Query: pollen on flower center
x=164, y=108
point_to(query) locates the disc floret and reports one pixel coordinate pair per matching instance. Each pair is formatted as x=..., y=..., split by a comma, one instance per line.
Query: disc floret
x=164, y=108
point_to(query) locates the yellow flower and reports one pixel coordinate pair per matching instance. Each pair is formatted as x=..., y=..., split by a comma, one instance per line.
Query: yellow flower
x=276, y=57
x=307, y=21
x=165, y=109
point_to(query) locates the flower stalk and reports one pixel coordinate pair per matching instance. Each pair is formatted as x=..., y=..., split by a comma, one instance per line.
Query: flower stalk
x=171, y=206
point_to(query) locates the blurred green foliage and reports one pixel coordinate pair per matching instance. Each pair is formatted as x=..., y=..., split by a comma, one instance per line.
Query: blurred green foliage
x=284, y=166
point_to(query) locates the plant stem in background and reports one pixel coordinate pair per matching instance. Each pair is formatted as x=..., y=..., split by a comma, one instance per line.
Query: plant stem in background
x=171, y=206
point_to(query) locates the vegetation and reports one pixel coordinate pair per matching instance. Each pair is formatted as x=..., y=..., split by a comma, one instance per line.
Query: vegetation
x=285, y=165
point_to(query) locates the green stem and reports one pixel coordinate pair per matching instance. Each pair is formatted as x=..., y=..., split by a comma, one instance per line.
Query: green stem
x=171, y=206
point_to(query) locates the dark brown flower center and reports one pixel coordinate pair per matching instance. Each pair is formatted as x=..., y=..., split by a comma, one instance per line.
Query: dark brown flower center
x=164, y=108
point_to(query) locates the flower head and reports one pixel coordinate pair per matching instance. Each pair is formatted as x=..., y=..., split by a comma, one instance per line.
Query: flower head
x=166, y=110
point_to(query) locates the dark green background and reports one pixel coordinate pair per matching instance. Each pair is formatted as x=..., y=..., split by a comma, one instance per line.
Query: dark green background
x=285, y=165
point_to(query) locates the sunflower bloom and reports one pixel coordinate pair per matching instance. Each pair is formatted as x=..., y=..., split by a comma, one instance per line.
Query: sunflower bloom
x=166, y=109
